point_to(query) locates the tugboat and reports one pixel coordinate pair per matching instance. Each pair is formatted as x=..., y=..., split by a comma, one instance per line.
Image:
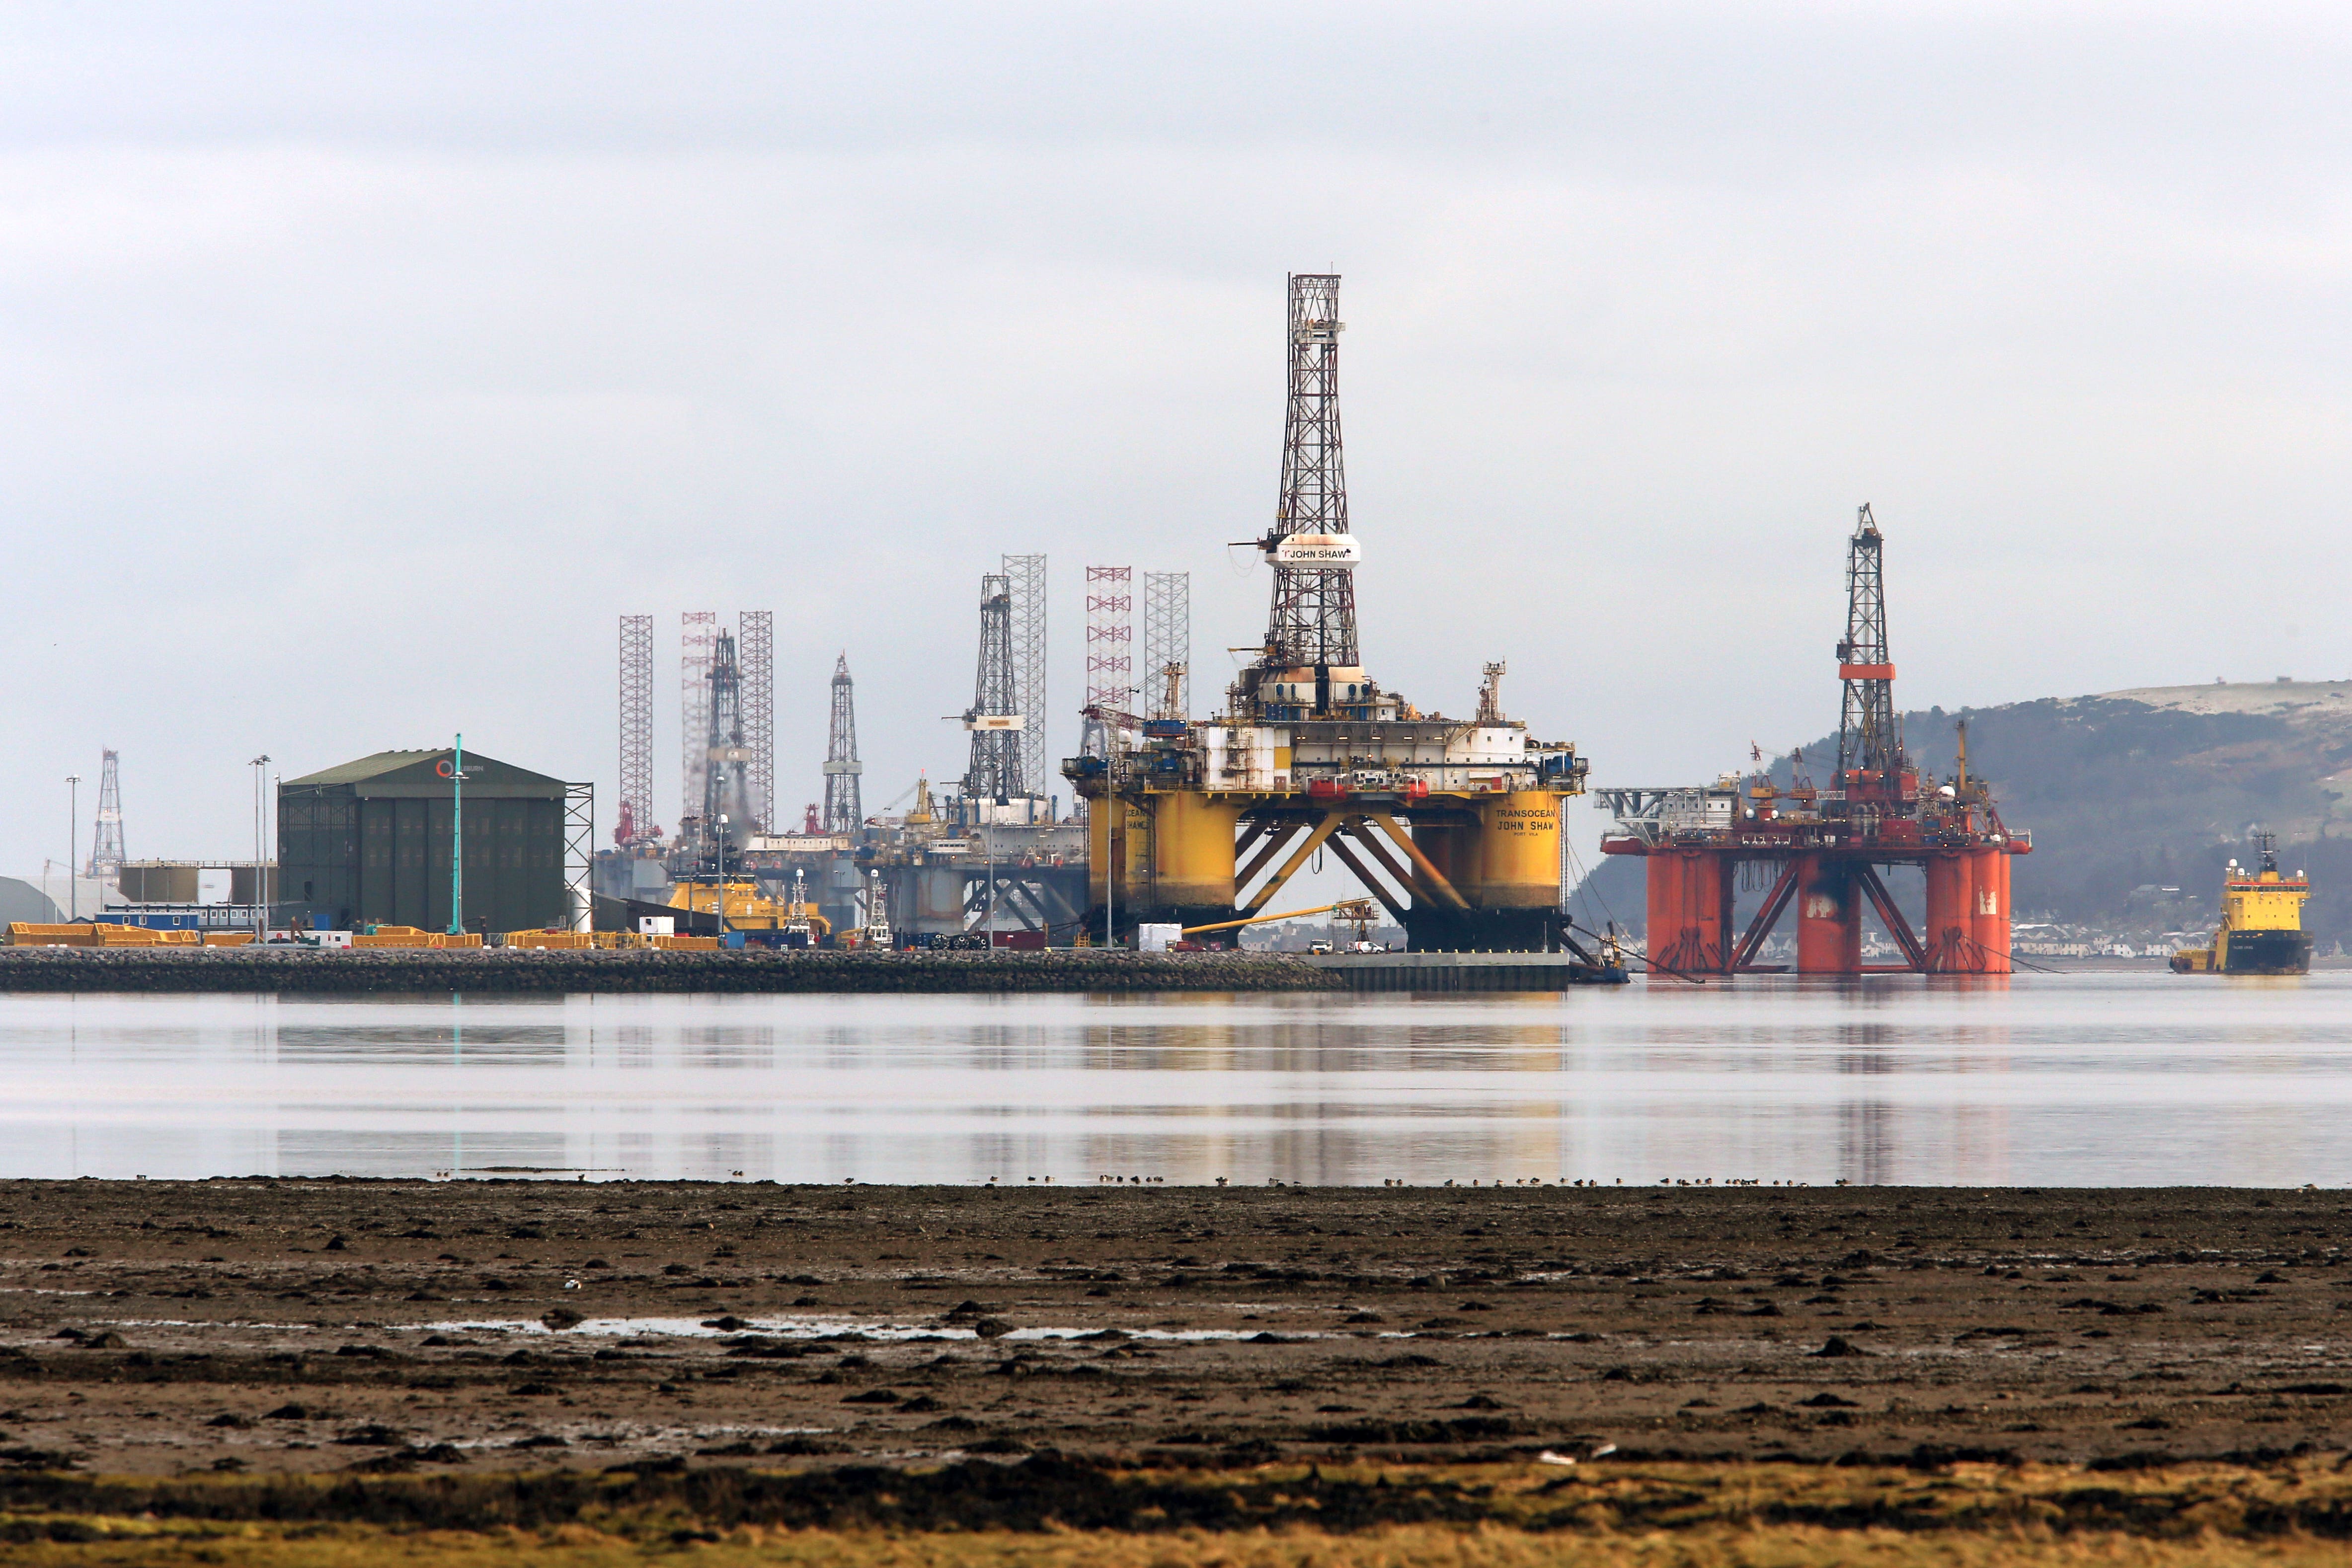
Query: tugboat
x=2261, y=922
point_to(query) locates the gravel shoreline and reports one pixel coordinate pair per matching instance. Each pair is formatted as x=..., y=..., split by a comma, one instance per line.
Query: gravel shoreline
x=303, y=1325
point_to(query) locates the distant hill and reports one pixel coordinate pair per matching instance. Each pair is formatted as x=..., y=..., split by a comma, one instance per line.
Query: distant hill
x=2160, y=785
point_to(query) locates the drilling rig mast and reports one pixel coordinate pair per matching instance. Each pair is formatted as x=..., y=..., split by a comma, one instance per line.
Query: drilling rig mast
x=727, y=772
x=1313, y=619
x=106, y=854
x=995, y=775
x=1870, y=735
x=842, y=812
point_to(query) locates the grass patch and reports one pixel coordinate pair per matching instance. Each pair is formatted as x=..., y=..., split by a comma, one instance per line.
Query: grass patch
x=1401, y=1546
x=1051, y=1510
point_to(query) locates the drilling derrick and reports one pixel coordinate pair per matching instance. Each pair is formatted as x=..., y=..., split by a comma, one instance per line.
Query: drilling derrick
x=1823, y=851
x=1453, y=825
x=1312, y=622
x=106, y=854
x=1870, y=734
x=842, y=812
x=727, y=770
x=994, y=776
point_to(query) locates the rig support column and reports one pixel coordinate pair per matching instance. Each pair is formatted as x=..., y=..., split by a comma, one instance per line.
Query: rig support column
x=1952, y=903
x=1690, y=909
x=1990, y=925
x=1829, y=919
x=1192, y=854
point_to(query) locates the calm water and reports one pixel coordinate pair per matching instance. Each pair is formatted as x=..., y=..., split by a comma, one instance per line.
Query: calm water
x=2126, y=1078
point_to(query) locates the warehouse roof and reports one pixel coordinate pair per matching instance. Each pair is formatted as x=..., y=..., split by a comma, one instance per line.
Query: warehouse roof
x=418, y=772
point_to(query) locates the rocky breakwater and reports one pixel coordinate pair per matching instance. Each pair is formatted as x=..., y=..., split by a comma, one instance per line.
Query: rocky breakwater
x=495, y=971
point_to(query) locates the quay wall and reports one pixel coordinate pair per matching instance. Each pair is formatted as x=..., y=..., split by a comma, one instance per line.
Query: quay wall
x=518, y=972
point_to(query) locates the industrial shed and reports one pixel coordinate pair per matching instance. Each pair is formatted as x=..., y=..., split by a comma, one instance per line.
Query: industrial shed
x=368, y=843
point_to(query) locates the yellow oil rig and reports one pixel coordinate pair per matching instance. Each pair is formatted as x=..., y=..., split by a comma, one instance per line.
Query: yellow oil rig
x=1454, y=825
x=2261, y=922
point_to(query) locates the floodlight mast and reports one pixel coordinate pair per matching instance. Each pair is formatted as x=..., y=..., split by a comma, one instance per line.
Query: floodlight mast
x=457, y=839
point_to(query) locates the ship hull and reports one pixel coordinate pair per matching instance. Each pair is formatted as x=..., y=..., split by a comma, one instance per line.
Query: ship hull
x=2267, y=953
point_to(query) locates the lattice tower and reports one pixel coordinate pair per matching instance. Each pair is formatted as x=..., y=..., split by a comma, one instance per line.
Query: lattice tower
x=843, y=814
x=755, y=654
x=994, y=772
x=1167, y=676
x=698, y=630
x=1314, y=614
x=1025, y=630
x=1110, y=639
x=726, y=776
x=1870, y=735
x=106, y=856
x=636, y=813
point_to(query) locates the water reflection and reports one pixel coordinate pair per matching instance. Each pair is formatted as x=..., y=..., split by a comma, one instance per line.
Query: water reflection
x=2134, y=1078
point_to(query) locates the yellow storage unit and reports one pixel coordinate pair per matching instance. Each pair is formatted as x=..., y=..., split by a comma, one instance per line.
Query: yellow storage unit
x=558, y=940
x=27, y=934
x=409, y=936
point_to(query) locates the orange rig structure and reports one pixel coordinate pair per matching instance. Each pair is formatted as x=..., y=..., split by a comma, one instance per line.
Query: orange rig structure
x=1822, y=850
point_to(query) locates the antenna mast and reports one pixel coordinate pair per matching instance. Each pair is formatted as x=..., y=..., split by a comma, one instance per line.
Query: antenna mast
x=1870, y=736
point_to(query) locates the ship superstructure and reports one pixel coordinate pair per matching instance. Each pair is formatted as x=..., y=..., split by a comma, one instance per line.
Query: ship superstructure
x=2261, y=922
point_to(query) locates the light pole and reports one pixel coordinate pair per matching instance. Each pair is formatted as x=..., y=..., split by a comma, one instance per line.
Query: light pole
x=260, y=766
x=457, y=839
x=73, y=845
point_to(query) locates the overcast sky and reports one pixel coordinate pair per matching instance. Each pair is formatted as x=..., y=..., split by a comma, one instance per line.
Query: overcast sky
x=363, y=362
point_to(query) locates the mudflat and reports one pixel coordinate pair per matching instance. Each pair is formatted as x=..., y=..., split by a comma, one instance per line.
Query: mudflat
x=270, y=1325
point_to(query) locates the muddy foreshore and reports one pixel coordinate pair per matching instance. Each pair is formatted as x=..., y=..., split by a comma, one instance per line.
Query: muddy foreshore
x=499, y=971
x=270, y=1325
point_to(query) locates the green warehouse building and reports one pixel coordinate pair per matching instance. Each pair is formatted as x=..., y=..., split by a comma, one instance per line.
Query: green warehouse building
x=368, y=844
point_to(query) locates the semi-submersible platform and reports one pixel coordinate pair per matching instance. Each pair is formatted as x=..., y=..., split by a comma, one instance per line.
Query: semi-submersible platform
x=1820, y=850
x=1454, y=825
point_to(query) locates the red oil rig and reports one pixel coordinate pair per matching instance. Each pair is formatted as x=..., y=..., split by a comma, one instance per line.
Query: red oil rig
x=1822, y=849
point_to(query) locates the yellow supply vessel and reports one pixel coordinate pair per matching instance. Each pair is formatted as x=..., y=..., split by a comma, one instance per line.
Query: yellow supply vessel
x=2262, y=923
x=744, y=908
